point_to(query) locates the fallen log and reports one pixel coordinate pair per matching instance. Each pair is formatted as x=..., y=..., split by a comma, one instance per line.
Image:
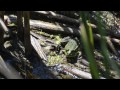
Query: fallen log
x=3, y=26
x=114, y=40
x=77, y=72
x=72, y=14
x=67, y=29
x=112, y=33
x=38, y=48
x=109, y=42
x=98, y=56
x=85, y=62
x=37, y=36
x=41, y=38
x=8, y=71
x=49, y=27
x=55, y=17
x=4, y=31
x=75, y=32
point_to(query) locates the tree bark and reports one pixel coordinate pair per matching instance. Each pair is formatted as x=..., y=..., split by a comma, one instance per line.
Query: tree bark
x=1, y=30
x=20, y=31
x=27, y=42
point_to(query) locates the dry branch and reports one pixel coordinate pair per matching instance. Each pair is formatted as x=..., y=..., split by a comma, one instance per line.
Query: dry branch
x=54, y=16
x=38, y=48
x=77, y=72
x=27, y=42
x=50, y=27
x=34, y=24
x=109, y=42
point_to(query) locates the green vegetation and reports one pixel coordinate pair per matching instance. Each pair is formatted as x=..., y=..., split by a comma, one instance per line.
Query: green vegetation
x=60, y=45
x=87, y=38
